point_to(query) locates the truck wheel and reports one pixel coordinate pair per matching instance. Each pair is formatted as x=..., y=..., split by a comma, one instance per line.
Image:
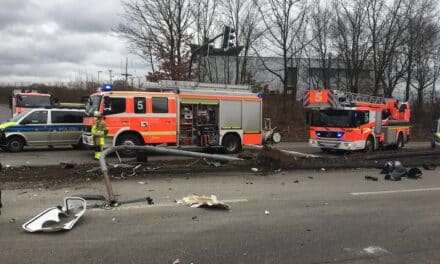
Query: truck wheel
x=400, y=142
x=15, y=144
x=276, y=137
x=129, y=140
x=231, y=144
x=369, y=144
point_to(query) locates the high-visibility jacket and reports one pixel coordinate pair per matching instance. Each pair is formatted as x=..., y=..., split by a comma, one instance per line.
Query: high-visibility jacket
x=99, y=129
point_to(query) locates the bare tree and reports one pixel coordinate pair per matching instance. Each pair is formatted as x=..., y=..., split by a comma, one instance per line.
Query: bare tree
x=386, y=25
x=352, y=39
x=425, y=59
x=159, y=29
x=244, y=17
x=285, y=23
x=205, y=14
x=320, y=21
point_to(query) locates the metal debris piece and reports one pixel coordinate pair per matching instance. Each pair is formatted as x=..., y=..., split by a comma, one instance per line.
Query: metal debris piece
x=390, y=177
x=371, y=178
x=414, y=173
x=429, y=166
x=94, y=169
x=57, y=218
x=266, y=212
x=122, y=166
x=204, y=202
x=254, y=169
x=67, y=166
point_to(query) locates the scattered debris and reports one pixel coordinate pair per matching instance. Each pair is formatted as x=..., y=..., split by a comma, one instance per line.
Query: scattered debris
x=310, y=177
x=249, y=183
x=414, y=173
x=323, y=169
x=194, y=218
x=57, y=218
x=12, y=220
x=254, y=169
x=390, y=177
x=176, y=261
x=308, y=229
x=21, y=193
x=150, y=200
x=266, y=212
x=371, y=178
x=141, y=182
x=211, y=163
x=203, y=202
x=94, y=169
x=429, y=166
x=67, y=166
x=296, y=181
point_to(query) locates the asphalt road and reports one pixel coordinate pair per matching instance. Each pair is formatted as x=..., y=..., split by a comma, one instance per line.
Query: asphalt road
x=334, y=217
x=46, y=156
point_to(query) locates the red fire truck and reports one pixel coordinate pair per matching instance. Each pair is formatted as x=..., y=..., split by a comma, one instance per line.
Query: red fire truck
x=181, y=114
x=349, y=121
x=22, y=100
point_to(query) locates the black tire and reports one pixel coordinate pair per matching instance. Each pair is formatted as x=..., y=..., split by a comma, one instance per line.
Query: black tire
x=128, y=139
x=369, y=144
x=15, y=144
x=400, y=142
x=231, y=144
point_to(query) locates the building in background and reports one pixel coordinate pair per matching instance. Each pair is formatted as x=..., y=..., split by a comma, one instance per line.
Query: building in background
x=303, y=73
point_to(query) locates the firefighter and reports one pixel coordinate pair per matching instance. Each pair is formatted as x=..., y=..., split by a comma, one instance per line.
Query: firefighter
x=99, y=131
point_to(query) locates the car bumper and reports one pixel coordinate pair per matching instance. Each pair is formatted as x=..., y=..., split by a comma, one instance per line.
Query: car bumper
x=337, y=144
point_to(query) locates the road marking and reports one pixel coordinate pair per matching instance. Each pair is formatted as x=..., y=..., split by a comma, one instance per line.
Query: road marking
x=375, y=250
x=398, y=191
x=169, y=204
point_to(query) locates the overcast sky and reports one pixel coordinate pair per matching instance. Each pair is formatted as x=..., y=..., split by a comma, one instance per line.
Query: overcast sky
x=56, y=40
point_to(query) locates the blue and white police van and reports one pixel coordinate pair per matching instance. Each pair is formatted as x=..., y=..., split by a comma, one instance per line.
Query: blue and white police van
x=42, y=127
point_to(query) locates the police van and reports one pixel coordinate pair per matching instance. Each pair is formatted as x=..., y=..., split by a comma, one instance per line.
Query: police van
x=42, y=127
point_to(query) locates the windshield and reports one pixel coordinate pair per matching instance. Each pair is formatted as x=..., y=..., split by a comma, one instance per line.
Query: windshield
x=93, y=104
x=33, y=101
x=19, y=116
x=338, y=118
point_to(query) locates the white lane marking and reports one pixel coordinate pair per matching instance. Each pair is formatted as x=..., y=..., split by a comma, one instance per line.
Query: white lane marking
x=397, y=191
x=143, y=205
x=287, y=151
x=375, y=250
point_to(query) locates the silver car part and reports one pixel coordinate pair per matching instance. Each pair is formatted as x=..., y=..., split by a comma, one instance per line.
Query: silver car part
x=56, y=218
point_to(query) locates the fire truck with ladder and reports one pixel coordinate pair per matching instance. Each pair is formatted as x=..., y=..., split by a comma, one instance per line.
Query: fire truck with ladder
x=340, y=120
x=22, y=100
x=179, y=114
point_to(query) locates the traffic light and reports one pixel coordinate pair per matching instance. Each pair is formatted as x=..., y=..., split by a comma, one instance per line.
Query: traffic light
x=228, y=37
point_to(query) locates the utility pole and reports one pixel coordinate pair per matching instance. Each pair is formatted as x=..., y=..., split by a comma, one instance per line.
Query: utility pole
x=139, y=81
x=126, y=74
x=110, y=75
x=99, y=72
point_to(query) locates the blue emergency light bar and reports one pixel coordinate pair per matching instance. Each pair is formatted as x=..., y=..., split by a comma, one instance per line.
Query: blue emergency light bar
x=107, y=87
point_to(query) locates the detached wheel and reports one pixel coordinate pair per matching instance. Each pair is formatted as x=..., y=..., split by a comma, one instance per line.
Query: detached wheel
x=231, y=144
x=15, y=144
x=128, y=140
x=369, y=145
x=400, y=142
x=276, y=137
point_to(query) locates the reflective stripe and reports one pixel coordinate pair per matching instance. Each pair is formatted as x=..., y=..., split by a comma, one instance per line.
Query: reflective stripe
x=159, y=133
